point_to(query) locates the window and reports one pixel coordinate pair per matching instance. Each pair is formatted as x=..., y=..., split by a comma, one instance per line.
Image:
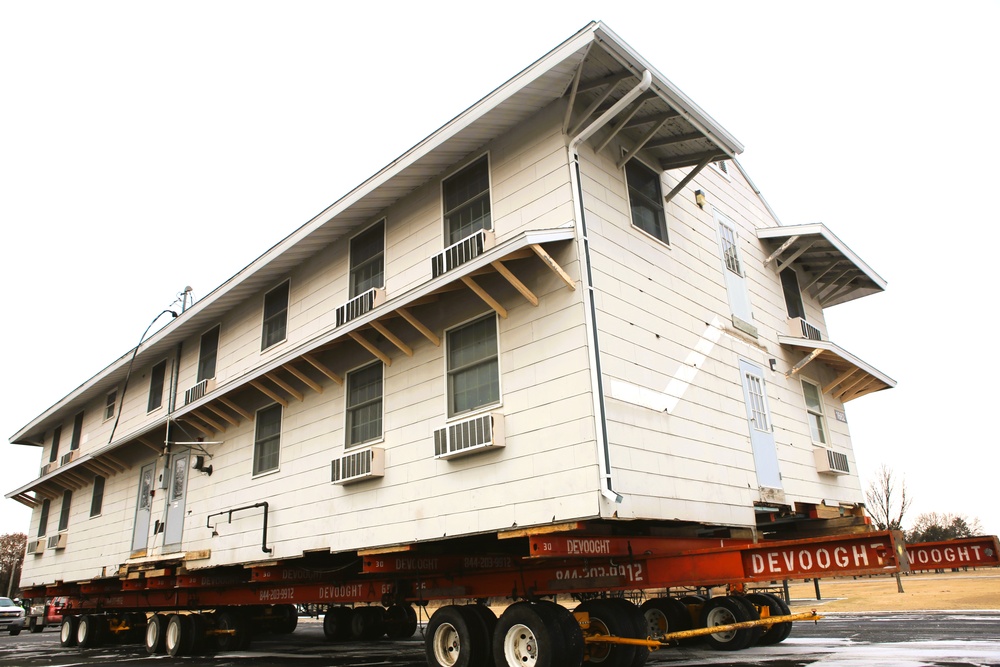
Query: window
x=97, y=500
x=646, y=200
x=793, y=295
x=54, y=452
x=473, y=366
x=730, y=252
x=734, y=275
x=43, y=519
x=275, y=316
x=364, y=404
x=208, y=353
x=74, y=442
x=156, y=378
x=367, y=259
x=109, y=404
x=814, y=406
x=267, y=441
x=467, y=201
x=64, y=511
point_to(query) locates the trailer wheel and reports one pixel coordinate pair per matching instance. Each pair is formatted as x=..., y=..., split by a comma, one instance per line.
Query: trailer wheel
x=574, y=648
x=89, y=630
x=401, y=621
x=178, y=635
x=368, y=623
x=196, y=634
x=235, y=625
x=34, y=626
x=136, y=622
x=156, y=634
x=455, y=637
x=778, y=632
x=608, y=618
x=286, y=619
x=15, y=630
x=337, y=624
x=755, y=633
x=67, y=631
x=529, y=635
x=723, y=611
x=665, y=615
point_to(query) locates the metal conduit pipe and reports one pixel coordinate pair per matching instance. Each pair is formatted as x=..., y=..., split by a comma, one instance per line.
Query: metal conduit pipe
x=590, y=309
x=263, y=543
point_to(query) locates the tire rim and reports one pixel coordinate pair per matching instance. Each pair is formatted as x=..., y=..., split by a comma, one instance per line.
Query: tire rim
x=520, y=646
x=173, y=634
x=721, y=616
x=152, y=635
x=656, y=623
x=81, y=631
x=64, y=632
x=598, y=652
x=447, y=645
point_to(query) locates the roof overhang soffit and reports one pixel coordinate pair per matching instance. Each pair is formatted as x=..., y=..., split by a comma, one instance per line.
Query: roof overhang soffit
x=854, y=378
x=834, y=273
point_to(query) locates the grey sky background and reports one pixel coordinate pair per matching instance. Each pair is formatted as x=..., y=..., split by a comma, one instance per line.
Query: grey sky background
x=145, y=147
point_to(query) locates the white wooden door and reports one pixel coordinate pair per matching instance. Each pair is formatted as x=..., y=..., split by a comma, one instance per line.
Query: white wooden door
x=143, y=505
x=765, y=452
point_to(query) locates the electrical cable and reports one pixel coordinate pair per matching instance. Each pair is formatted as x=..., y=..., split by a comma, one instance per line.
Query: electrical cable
x=128, y=372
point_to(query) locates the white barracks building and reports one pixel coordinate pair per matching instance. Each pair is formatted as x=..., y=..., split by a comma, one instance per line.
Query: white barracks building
x=568, y=304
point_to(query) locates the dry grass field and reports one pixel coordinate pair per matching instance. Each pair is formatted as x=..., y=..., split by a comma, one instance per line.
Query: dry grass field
x=978, y=589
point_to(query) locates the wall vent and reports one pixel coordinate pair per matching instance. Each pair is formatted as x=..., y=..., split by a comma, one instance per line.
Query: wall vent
x=469, y=436
x=799, y=328
x=459, y=253
x=831, y=462
x=69, y=457
x=49, y=467
x=199, y=390
x=358, y=466
x=57, y=541
x=359, y=305
x=36, y=546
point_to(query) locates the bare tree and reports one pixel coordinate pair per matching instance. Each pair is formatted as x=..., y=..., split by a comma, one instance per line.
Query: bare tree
x=12, y=547
x=934, y=527
x=887, y=499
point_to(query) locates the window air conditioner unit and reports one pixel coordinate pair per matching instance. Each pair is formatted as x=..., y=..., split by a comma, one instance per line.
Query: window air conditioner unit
x=359, y=305
x=57, y=541
x=49, y=467
x=461, y=252
x=69, y=457
x=830, y=462
x=199, y=390
x=36, y=546
x=358, y=466
x=469, y=436
x=799, y=328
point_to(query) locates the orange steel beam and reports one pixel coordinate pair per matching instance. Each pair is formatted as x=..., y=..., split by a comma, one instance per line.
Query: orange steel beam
x=966, y=552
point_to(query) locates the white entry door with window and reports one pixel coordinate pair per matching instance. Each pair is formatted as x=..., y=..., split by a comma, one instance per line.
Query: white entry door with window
x=765, y=452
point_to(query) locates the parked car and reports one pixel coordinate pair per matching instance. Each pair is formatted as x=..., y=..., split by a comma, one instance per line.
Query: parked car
x=47, y=613
x=11, y=616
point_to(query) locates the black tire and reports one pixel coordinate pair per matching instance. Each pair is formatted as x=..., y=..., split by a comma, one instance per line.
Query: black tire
x=136, y=622
x=574, y=647
x=89, y=631
x=722, y=611
x=755, y=633
x=236, y=630
x=528, y=633
x=286, y=619
x=337, y=624
x=609, y=618
x=778, y=632
x=665, y=615
x=638, y=628
x=67, y=631
x=455, y=638
x=156, y=634
x=197, y=625
x=401, y=621
x=177, y=635
x=34, y=626
x=368, y=623
x=15, y=630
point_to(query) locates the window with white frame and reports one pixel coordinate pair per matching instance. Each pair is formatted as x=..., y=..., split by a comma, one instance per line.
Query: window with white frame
x=74, y=442
x=645, y=198
x=97, y=499
x=467, y=201
x=364, y=404
x=814, y=408
x=109, y=404
x=368, y=259
x=208, y=353
x=473, y=366
x=56, y=436
x=793, y=295
x=43, y=518
x=267, y=439
x=67, y=501
x=275, y=316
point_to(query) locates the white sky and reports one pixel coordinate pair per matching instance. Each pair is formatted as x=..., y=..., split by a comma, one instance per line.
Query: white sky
x=149, y=146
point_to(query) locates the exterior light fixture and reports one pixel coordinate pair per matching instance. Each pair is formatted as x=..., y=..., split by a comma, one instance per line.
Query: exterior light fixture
x=699, y=198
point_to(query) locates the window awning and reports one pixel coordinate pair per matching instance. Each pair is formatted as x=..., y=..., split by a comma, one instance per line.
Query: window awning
x=854, y=378
x=833, y=273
